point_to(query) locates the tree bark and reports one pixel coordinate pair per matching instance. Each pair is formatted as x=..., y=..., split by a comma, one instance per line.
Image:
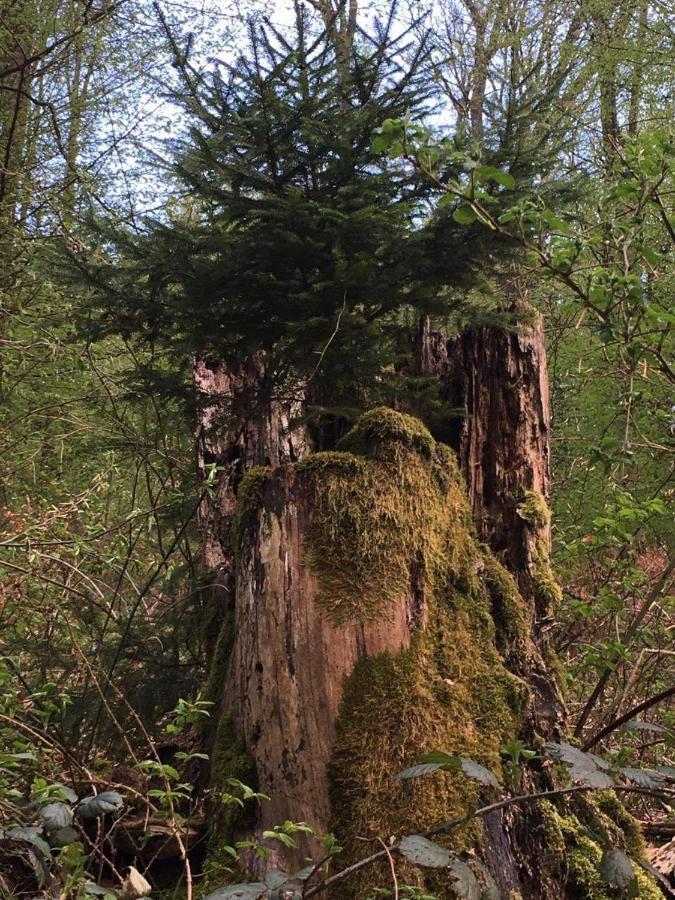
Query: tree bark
x=239, y=426
x=325, y=703
x=370, y=624
x=499, y=380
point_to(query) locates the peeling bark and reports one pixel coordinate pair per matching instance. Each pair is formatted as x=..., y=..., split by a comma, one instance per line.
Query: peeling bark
x=238, y=427
x=500, y=380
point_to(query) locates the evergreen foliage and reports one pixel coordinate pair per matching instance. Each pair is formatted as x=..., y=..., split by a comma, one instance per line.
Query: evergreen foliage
x=293, y=237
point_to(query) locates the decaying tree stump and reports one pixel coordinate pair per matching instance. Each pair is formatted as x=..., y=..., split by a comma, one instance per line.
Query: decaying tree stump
x=368, y=623
x=499, y=380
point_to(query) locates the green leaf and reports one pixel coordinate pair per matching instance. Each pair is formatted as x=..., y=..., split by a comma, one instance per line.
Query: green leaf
x=465, y=215
x=64, y=836
x=616, y=870
x=99, y=804
x=555, y=222
x=380, y=143
x=417, y=849
x=450, y=760
x=56, y=815
x=418, y=771
x=31, y=835
x=492, y=173
x=64, y=791
x=474, y=770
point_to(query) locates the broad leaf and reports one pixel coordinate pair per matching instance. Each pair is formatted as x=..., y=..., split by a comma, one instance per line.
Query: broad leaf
x=275, y=879
x=586, y=768
x=492, y=173
x=449, y=760
x=99, y=804
x=556, y=223
x=65, y=792
x=636, y=725
x=616, y=869
x=567, y=753
x=31, y=835
x=646, y=778
x=56, y=815
x=422, y=852
x=465, y=215
x=474, y=770
x=418, y=771
x=63, y=836
x=591, y=778
x=465, y=882
x=303, y=874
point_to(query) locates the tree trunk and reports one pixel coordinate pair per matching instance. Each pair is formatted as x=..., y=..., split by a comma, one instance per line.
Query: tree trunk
x=238, y=427
x=499, y=381
x=371, y=625
x=363, y=636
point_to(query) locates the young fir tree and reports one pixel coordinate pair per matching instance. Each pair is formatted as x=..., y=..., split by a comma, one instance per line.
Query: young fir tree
x=293, y=238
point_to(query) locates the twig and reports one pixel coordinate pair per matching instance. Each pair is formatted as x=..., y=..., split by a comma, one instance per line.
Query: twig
x=392, y=866
x=626, y=717
x=330, y=339
x=445, y=827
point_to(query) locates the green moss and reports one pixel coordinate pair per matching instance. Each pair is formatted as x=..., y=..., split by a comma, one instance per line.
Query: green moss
x=575, y=840
x=618, y=818
x=511, y=613
x=547, y=593
x=534, y=510
x=213, y=690
x=380, y=431
x=449, y=690
x=249, y=495
x=373, y=518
